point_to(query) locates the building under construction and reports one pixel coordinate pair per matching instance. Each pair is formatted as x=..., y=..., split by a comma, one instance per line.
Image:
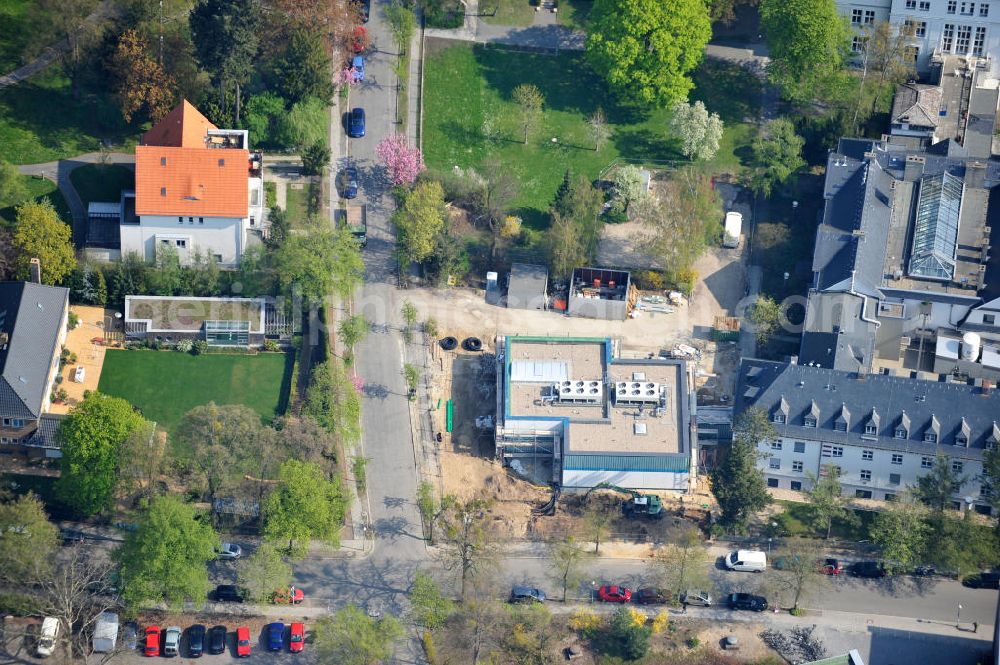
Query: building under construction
x=571, y=406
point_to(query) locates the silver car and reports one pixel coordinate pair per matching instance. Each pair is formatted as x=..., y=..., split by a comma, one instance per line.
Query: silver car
x=229, y=551
x=696, y=597
x=172, y=641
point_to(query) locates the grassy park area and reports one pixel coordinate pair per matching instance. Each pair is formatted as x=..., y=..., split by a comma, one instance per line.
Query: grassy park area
x=165, y=385
x=484, y=78
x=38, y=188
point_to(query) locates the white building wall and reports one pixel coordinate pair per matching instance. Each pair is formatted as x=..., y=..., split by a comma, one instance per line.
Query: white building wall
x=882, y=468
x=224, y=237
x=644, y=480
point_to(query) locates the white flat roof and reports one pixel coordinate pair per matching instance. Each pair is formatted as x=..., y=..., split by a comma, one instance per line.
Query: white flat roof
x=991, y=356
x=947, y=347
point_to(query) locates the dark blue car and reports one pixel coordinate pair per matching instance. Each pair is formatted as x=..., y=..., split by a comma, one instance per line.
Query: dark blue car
x=356, y=124
x=349, y=182
x=275, y=636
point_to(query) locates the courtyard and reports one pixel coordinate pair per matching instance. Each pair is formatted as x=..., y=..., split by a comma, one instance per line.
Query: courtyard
x=165, y=385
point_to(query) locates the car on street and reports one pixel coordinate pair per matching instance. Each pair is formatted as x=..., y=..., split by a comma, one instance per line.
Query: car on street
x=242, y=641
x=229, y=551
x=651, y=596
x=296, y=637
x=230, y=593
x=359, y=42
x=358, y=65
x=696, y=597
x=275, y=636
x=290, y=596
x=869, y=569
x=831, y=567
x=747, y=601
x=614, y=593
x=356, y=123
x=349, y=182
x=172, y=641
x=217, y=640
x=151, y=641
x=196, y=640
x=366, y=10
x=130, y=635
x=984, y=580
x=526, y=594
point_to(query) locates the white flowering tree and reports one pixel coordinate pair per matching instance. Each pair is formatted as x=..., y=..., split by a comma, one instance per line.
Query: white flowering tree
x=698, y=130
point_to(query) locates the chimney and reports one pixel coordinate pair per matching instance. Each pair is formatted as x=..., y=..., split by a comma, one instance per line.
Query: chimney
x=35, y=271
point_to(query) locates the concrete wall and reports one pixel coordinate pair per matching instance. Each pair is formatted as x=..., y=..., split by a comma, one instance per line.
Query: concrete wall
x=642, y=480
x=223, y=236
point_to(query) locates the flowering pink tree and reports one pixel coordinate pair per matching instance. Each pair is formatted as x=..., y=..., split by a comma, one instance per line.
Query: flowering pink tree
x=403, y=161
x=347, y=76
x=359, y=383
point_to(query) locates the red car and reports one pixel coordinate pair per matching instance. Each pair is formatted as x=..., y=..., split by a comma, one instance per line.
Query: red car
x=830, y=567
x=151, y=645
x=297, y=638
x=242, y=641
x=359, y=41
x=290, y=596
x=614, y=594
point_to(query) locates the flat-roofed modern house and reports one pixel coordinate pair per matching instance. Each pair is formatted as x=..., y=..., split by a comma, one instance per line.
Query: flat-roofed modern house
x=241, y=322
x=882, y=432
x=33, y=321
x=571, y=405
x=198, y=188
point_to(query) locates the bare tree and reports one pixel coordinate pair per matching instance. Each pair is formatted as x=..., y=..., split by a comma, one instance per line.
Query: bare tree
x=142, y=459
x=471, y=544
x=800, y=566
x=565, y=560
x=599, y=129
x=597, y=521
x=529, y=101
x=682, y=564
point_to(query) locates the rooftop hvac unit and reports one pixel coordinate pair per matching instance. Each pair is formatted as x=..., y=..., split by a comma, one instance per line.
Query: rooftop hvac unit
x=637, y=392
x=576, y=391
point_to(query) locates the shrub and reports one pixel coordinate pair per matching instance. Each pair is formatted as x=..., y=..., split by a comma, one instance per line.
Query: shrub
x=692, y=642
x=72, y=358
x=271, y=192
x=62, y=395
x=446, y=14
x=429, y=649
x=72, y=321
x=650, y=280
x=199, y=347
x=626, y=637
x=660, y=621
x=271, y=345
x=585, y=621
x=185, y=345
x=797, y=612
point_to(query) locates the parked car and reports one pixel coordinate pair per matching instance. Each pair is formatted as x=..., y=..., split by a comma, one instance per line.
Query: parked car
x=831, y=567
x=151, y=642
x=130, y=635
x=366, y=10
x=196, y=640
x=275, y=636
x=242, y=641
x=217, y=640
x=230, y=593
x=651, y=596
x=358, y=65
x=290, y=596
x=349, y=182
x=45, y=646
x=359, y=42
x=526, y=594
x=613, y=593
x=172, y=641
x=356, y=123
x=696, y=597
x=984, y=580
x=747, y=601
x=751, y=561
x=229, y=551
x=870, y=569
x=296, y=637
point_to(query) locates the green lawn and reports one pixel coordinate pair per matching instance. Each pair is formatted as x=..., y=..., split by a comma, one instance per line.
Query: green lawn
x=39, y=188
x=40, y=121
x=15, y=33
x=167, y=384
x=794, y=522
x=484, y=78
x=98, y=182
x=574, y=13
x=508, y=12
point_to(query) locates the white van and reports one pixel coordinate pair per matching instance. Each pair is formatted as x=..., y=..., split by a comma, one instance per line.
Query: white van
x=747, y=561
x=47, y=637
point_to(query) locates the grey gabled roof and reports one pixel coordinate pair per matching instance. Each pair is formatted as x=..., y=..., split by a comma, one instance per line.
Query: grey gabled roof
x=916, y=104
x=898, y=401
x=31, y=315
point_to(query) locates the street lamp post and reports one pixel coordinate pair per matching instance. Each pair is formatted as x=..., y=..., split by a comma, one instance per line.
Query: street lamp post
x=958, y=619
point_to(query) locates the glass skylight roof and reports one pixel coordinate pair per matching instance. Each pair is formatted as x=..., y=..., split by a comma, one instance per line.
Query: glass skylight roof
x=935, y=234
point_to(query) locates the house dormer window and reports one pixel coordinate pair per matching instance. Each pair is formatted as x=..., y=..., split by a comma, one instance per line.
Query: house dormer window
x=900, y=433
x=840, y=426
x=779, y=418
x=930, y=437
x=809, y=421
x=961, y=441
x=871, y=430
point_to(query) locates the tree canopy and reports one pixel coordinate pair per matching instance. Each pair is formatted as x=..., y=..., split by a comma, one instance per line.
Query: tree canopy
x=807, y=40
x=226, y=37
x=420, y=219
x=302, y=69
x=29, y=540
x=165, y=559
x=351, y=637
x=91, y=439
x=304, y=505
x=319, y=264
x=737, y=483
x=646, y=49
x=698, y=130
x=39, y=233
x=776, y=155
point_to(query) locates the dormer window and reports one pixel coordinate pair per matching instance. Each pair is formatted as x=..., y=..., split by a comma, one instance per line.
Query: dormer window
x=840, y=426
x=871, y=430
x=809, y=421
x=961, y=441
x=900, y=433
x=779, y=418
x=930, y=437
